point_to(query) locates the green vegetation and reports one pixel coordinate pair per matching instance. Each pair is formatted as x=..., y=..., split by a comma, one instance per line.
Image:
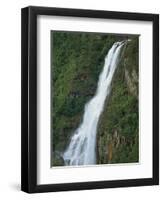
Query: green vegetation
x=118, y=129
x=77, y=60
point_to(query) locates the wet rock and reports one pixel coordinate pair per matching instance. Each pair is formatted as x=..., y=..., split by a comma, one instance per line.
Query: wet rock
x=58, y=160
x=131, y=80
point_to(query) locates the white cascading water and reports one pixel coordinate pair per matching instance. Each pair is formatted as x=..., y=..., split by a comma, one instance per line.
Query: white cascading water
x=82, y=147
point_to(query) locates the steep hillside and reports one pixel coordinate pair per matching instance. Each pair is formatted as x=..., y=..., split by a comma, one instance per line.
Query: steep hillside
x=117, y=140
x=77, y=60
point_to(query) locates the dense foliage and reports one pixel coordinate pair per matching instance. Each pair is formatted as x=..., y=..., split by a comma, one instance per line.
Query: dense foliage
x=77, y=60
x=118, y=129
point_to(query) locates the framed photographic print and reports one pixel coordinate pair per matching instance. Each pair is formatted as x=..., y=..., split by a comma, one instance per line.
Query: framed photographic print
x=90, y=99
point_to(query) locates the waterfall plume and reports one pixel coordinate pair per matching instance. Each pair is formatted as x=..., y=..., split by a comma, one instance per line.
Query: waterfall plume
x=82, y=147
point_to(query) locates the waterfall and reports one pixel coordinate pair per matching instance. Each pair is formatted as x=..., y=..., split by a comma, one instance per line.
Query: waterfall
x=82, y=147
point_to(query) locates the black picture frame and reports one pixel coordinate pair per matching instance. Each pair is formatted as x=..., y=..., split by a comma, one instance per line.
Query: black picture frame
x=29, y=99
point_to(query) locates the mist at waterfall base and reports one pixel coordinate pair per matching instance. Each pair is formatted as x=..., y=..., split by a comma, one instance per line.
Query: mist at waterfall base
x=82, y=147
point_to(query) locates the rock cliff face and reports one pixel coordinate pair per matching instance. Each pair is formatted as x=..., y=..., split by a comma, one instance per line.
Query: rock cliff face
x=117, y=140
x=132, y=82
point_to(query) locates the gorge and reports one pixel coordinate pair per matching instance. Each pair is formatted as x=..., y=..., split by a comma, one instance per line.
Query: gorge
x=78, y=63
